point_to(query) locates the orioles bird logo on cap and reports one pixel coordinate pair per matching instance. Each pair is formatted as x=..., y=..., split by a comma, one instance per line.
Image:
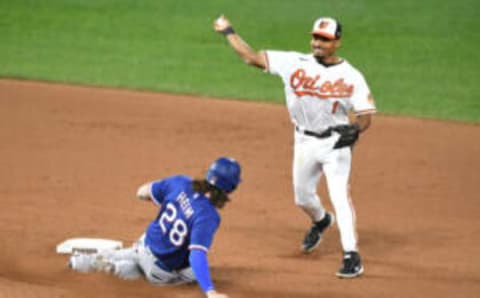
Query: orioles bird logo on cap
x=323, y=24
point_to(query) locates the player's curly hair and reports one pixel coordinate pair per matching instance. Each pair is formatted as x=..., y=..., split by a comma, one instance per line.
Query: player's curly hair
x=217, y=196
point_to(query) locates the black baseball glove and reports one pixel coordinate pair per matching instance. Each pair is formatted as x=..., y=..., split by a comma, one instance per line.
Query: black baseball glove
x=348, y=135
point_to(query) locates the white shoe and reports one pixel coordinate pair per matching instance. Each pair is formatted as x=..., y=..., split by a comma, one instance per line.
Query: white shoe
x=81, y=263
x=86, y=263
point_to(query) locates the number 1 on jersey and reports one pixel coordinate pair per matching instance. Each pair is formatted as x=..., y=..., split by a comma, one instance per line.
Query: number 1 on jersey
x=335, y=107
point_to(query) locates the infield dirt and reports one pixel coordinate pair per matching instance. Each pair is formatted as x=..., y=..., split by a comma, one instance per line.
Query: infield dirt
x=72, y=157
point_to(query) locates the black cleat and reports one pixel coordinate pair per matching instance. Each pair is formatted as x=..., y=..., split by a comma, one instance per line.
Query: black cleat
x=352, y=265
x=314, y=235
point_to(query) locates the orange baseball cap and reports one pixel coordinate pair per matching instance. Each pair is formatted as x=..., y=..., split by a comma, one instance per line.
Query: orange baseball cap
x=327, y=27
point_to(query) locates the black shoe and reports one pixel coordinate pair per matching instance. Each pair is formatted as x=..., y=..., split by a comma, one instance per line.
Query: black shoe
x=314, y=235
x=352, y=265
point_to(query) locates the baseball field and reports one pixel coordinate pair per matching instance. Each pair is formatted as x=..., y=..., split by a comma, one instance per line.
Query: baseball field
x=98, y=97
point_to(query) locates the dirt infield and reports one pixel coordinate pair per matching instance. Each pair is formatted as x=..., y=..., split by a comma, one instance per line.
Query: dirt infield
x=71, y=159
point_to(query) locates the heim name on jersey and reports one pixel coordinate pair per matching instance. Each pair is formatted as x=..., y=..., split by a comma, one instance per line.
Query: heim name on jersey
x=184, y=203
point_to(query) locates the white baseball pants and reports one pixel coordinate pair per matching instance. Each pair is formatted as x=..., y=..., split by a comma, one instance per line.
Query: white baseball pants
x=138, y=260
x=314, y=157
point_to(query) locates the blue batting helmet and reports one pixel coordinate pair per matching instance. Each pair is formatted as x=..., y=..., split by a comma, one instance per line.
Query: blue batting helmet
x=224, y=174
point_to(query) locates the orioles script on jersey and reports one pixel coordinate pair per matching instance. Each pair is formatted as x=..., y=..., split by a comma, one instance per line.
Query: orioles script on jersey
x=306, y=85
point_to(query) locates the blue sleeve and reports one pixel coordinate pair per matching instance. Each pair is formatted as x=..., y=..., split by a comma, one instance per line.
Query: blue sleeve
x=159, y=190
x=203, y=231
x=199, y=262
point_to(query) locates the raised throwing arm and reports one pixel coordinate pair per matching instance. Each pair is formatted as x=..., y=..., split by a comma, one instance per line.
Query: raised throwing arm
x=248, y=54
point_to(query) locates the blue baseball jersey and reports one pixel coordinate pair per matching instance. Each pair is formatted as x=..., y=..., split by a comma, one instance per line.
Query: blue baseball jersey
x=186, y=220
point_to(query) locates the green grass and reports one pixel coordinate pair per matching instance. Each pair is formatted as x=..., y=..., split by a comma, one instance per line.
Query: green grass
x=420, y=58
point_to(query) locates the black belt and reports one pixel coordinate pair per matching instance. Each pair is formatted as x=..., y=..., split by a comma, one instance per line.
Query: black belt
x=326, y=134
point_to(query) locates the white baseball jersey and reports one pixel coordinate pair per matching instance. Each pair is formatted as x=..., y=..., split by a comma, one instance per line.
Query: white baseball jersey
x=320, y=96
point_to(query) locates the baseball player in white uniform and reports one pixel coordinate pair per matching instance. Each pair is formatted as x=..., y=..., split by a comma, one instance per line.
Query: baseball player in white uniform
x=321, y=90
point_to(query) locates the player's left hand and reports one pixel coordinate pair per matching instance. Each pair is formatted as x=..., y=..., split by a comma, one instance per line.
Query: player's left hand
x=349, y=134
x=215, y=294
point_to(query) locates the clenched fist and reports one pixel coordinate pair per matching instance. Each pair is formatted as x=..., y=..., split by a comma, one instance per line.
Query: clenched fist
x=221, y=24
